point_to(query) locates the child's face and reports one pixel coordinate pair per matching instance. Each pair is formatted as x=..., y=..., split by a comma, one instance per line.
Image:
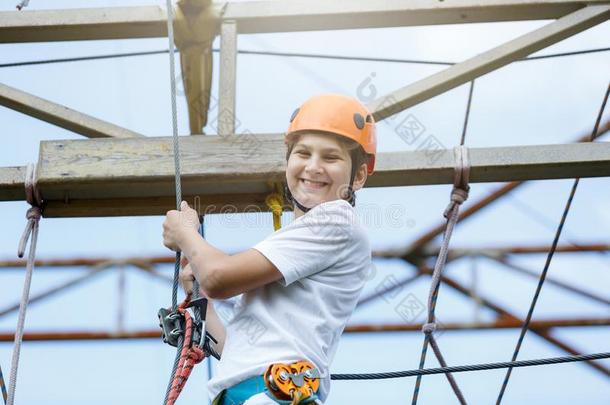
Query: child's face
x=318, y=169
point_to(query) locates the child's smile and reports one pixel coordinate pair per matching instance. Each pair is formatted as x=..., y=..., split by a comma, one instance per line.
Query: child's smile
x=318, y=169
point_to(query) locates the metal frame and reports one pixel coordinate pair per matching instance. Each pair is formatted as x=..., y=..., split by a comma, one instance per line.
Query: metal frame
x=272, y=16
x=71, y=193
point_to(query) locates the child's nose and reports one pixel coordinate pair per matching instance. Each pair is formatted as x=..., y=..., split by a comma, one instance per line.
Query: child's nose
x=314, y=164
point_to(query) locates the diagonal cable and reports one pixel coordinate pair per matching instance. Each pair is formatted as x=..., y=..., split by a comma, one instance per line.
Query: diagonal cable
x=566, y=210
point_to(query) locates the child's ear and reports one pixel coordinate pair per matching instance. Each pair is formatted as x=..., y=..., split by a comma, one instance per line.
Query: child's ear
x=361, y=176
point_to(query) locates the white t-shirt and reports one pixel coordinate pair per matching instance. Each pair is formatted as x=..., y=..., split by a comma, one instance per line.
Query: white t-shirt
x=324, y=257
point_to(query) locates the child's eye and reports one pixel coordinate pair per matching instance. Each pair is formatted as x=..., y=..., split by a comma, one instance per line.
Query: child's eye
x=332, y=157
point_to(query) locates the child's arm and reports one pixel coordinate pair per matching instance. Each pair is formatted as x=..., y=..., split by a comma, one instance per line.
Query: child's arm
x=221, y=275
x=213, y=324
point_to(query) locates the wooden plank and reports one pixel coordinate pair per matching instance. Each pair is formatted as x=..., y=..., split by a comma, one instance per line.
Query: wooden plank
x=60, y=115
x=275, y=16
x=12, y=187
x=107, y=177
x=82, y=24
x=486, y=62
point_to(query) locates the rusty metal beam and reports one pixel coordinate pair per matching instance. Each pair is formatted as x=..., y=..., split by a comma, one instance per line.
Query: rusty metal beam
x=506, y=314
x=383, y=291
x=425, y=252
x=83, y=261
x=361, y=328
x=60, y=288
x=549, y=280
x=429, y=251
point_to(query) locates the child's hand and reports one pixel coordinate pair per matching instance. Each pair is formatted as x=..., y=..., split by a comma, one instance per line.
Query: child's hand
x=187, y=278
x=176, y=225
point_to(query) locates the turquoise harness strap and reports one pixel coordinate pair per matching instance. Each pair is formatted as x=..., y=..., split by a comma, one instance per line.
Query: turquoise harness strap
x=241, y=392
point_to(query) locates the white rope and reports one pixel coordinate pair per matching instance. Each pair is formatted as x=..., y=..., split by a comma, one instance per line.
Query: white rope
x=31, y=230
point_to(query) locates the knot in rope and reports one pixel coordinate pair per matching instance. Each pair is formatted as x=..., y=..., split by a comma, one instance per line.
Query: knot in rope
x=460, y=190
x=459, y=195
x=429, y=327
x=32, y=194
x=33, y=213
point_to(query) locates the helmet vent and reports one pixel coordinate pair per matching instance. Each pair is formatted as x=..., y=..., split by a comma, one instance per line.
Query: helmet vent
x=294, y=114
x=359, y=120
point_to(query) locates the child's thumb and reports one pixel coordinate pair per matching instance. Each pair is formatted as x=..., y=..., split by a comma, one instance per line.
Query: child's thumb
x=184, y=205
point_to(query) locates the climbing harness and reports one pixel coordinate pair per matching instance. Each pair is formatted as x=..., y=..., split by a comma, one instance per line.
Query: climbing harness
x=297, y=382
x=286, y=384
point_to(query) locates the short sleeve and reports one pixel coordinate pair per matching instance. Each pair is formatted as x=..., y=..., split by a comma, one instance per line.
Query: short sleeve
x=312, y=243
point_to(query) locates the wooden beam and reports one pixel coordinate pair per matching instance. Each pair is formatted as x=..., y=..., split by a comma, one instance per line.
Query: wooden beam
x=60, y=115
x=276, y=16
x=82, y=24
x=227, y=78
x=105, y=177
x=12, y=184
x=488, y=61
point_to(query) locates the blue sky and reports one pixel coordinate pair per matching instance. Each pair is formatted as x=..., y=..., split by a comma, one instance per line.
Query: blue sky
x=538, y=102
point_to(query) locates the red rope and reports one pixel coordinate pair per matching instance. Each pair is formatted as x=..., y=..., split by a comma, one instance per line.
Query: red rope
x=190, y=355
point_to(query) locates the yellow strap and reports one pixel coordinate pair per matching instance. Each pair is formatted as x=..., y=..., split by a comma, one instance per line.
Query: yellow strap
x=275, y=202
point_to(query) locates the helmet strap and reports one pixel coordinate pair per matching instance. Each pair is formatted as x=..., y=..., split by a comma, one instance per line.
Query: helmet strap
x=351, y=197
x=290, y=198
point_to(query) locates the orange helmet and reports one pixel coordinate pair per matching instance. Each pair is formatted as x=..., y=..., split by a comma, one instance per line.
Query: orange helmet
x=337, y=114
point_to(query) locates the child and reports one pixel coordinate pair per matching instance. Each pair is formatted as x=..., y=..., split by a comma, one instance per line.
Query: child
x=301, y=284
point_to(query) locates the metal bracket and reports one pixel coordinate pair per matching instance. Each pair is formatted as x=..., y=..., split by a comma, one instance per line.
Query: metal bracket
x=172, y=326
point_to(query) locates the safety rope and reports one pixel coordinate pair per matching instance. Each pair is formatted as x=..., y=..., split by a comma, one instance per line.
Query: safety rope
x=474, y=367
x=170, y=30
x=275, y=203
x=190, y=354
x=459, y=194
x=549, y=258
x=2, y=387
x=34, y=198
